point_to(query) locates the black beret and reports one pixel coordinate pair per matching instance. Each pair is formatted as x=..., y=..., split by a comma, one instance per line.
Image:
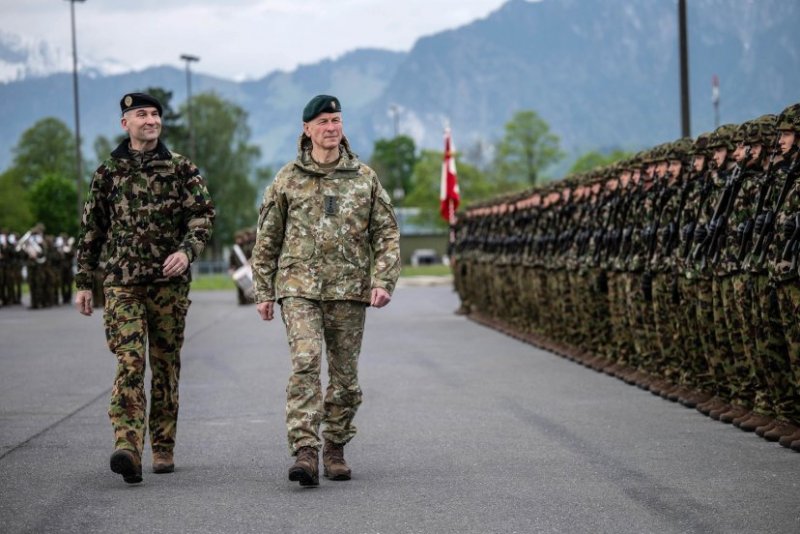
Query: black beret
x=139, y=100
x=321, y=104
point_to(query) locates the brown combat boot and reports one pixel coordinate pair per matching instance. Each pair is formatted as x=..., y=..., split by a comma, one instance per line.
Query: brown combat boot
x=162, y=462
x=754, y=421
x=735, y=411
x=786, y=441
x=783, y=428
x=306, y=468
x=128, y=464
x=334, y=466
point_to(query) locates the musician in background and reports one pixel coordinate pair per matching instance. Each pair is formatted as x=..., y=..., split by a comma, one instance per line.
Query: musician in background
x=240, y=257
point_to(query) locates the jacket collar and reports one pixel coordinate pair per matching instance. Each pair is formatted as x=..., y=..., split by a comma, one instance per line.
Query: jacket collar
x=123, y=151
x=348, y=160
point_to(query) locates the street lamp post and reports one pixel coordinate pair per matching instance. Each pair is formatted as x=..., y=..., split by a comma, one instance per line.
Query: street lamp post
x=78, y=162
x=686, y=127
x=394, y=109
x=189, y=59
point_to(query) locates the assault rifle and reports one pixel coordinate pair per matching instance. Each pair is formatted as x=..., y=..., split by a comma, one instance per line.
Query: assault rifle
x=722, y=212
x=688, y=229
x=793, y=244
x=671, y=234
x=767, y=232
x=747, y=228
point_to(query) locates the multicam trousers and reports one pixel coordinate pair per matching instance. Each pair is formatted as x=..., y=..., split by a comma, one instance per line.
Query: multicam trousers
x=138, y=318
x=340, y=324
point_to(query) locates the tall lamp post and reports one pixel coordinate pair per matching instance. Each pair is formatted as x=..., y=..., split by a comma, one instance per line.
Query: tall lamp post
x=78, y=162
x=394, y=110
x=686, y=127
x=189, y=59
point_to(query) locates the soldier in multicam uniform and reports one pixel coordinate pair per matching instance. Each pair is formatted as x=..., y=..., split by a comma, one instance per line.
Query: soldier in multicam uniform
x=327, y=247
x=152, y=209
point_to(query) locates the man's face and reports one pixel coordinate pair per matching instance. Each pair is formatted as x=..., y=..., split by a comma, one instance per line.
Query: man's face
x=699, y=162
x=661, y=168
x=719, y=156
x=325, y=130
x=143, y=125
x=738, y=153
x=674, y=169
x=786, y=140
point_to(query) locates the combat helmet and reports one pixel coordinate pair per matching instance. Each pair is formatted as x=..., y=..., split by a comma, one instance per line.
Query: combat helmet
x=789, y=118
x=762, y=130
x=700, y=145
x=722, y=137
x=679, y=149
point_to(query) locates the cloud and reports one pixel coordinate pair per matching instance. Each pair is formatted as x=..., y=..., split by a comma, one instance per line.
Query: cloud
x=241, y=38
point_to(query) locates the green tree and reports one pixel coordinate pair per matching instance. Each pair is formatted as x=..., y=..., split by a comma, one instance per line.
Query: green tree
x=426, y=182
x=227, y=161
x=394, y=160
x=526, y=150
x=47, y=147
x=15, y=211
x=53, y=199
x=594, y=159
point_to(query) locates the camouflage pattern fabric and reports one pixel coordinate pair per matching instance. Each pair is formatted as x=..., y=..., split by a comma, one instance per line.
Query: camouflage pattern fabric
x=151, y=205
x=325, y=235
x=145, y=322
x=340, y=325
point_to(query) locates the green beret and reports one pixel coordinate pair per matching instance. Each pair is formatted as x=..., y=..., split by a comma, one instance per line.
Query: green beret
x=139, y=100
x=321, y=104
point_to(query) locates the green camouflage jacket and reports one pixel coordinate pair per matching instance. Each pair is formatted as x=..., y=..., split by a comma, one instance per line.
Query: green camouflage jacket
x=144, y=207
x=325, y=236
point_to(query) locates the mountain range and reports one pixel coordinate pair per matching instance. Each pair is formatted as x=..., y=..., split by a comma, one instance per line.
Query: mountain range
x=602, y=73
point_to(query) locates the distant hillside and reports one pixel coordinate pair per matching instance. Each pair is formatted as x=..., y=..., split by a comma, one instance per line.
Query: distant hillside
x=603, y=73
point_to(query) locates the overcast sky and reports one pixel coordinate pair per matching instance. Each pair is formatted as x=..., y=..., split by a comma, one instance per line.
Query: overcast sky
x=240, y=39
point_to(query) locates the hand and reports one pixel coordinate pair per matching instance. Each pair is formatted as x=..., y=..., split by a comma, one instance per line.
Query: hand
x=266, y=310
x=380, y=297
x=175, y=264
x=700, y=234
x=788, y=228
x=83, y=301
x=759, y=224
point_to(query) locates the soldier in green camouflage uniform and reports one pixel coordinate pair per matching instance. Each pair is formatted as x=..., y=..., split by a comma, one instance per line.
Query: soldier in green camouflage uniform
x=782, y=301
x=327, y=247
x=152, y=210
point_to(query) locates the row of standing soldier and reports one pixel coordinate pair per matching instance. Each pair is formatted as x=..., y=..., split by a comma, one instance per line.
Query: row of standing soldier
x=676, y=270
x=47, y=262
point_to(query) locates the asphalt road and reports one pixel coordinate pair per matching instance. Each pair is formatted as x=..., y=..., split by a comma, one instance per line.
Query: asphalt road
x=462, y=430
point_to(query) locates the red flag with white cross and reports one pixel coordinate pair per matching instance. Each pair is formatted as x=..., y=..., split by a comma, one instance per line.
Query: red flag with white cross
x=448, y=194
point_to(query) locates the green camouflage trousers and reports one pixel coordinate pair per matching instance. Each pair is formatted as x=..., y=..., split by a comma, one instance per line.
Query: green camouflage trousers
x=788, y=297
x=340, y=324
x=138, y=318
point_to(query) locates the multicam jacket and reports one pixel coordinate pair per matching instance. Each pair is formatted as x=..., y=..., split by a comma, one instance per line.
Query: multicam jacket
x=325, y=235
x=143, y=207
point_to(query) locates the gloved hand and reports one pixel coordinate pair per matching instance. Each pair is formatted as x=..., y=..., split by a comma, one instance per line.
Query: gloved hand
x=758, y=227
x=788, y=228
x=700, y=234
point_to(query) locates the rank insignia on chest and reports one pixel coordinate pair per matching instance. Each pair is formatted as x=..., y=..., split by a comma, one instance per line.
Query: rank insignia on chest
x=330, y=205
